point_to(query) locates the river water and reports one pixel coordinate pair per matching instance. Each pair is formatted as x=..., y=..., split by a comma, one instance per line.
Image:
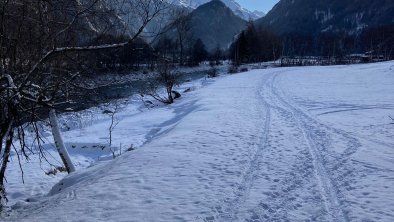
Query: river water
x=123, y=90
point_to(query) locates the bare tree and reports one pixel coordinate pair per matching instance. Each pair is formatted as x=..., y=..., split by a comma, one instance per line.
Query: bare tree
x=41, y=43
x=181, y=22
x=114, y=123
x=168, y=78
x=57, y=137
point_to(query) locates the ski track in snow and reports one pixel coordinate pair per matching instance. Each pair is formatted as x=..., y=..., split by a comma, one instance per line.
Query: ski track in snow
x=266, y=156
x=313, y=135
x=229, y=210
x=317, y=139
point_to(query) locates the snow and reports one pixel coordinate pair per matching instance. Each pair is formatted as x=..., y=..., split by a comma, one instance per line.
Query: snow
x=232, y=4
x=86, y=134
x=284, y=144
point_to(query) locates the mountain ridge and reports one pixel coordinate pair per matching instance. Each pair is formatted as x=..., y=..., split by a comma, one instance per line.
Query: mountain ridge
x=232, y=4
x=216, y=24
x=314, y=16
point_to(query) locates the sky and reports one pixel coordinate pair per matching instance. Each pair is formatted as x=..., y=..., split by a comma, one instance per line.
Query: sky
x=260, y=5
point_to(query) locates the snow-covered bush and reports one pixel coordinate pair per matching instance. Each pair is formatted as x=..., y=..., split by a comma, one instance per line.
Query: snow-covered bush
x=244, y=69
x=212, y=72
x=168, y=78
x=233, y=69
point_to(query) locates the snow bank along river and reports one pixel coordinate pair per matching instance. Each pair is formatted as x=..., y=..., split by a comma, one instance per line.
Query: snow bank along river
x=286, y=144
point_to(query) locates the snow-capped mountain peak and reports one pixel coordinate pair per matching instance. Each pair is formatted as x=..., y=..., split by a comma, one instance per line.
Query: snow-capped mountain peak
x=232, y=4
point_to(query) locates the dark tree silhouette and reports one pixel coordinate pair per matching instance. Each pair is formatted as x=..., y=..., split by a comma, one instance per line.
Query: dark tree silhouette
x=199, y=53
x=255, y=45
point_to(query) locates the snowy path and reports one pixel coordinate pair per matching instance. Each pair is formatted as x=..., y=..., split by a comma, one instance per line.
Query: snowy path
x=304, y=188
x=308, y=133
x=267, y=145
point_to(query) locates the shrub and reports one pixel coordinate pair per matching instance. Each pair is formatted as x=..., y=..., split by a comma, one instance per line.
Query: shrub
x=233, y=69
x=244, y=69
x=166, y=77
x=212, y=72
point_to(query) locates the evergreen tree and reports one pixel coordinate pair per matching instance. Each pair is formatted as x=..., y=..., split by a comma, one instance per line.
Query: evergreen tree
x=199, y=53
x=255, y=45
x=217, y=55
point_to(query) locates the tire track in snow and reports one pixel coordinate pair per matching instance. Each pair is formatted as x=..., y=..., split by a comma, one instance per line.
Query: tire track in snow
x=229, y=207
x=289, y=185
x=328, y=191
x=344, y=169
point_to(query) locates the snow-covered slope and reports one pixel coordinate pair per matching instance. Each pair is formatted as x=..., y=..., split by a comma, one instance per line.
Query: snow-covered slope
x=286, y=144
x=315, y=16
x=232, y=4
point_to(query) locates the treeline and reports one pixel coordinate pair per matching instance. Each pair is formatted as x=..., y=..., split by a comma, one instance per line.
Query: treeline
x=261, y=44
x=377, y=41
x=139, y=55
x=195, y=52
x=253, y=45
x=136, y=55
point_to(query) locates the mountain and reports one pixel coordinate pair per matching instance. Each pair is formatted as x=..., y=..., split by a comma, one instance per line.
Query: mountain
x=259, y=14
x=314, y=16
x=232, y=4
x=215, y=24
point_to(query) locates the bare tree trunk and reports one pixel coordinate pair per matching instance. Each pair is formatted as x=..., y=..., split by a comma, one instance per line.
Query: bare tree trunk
x=169, y=94
x=57, y=137
x=7, y=151
x=273, y=52
x=181, y=22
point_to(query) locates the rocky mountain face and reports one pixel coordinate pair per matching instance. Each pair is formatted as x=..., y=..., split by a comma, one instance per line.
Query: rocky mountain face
x=315, y=16
x=232, y=4
x=215, y=24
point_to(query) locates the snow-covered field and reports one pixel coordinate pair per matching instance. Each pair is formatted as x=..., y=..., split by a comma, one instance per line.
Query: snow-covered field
x=285, y=144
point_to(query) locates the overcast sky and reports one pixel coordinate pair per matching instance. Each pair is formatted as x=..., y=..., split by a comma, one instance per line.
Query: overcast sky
x=260, y=5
